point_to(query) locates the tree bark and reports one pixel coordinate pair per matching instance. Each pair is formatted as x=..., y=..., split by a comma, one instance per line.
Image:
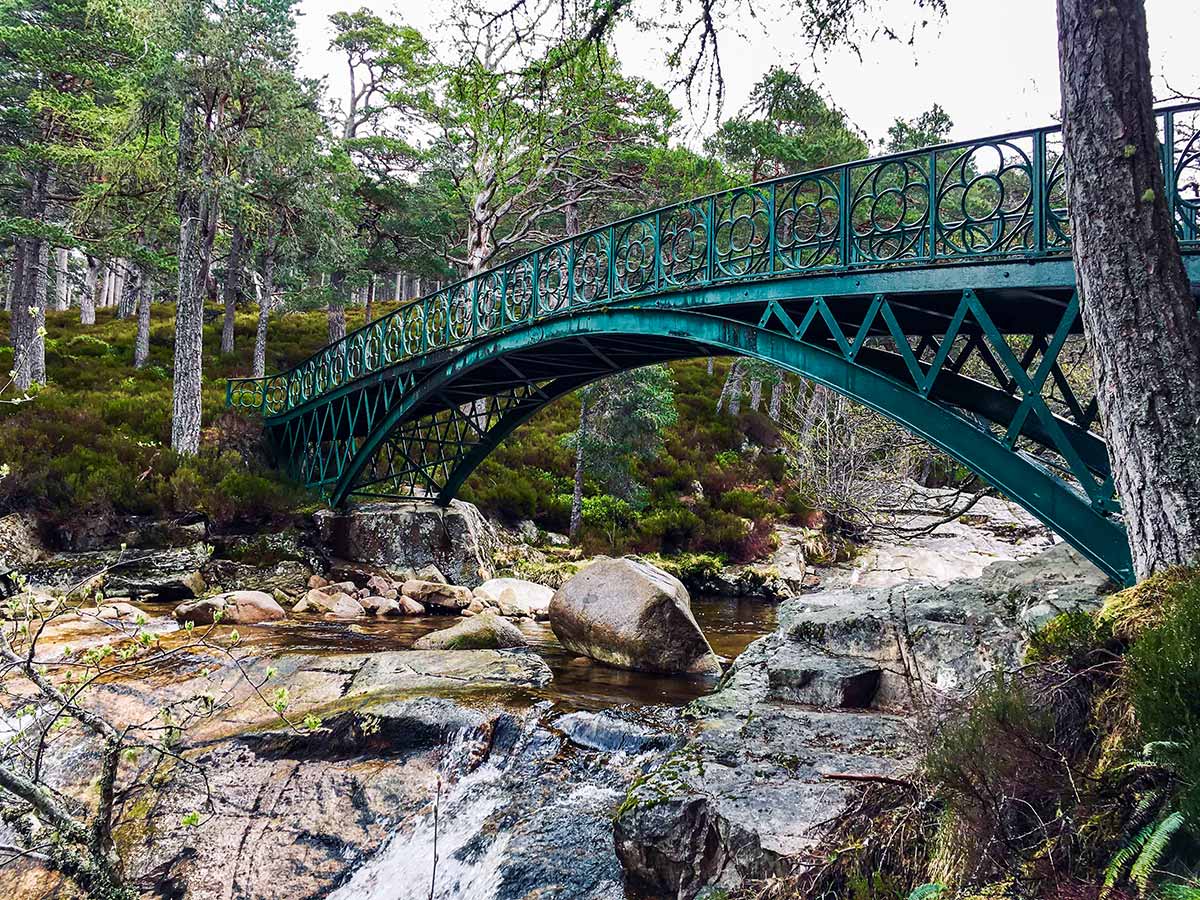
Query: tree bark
x=189, y=307
x=370, y=300
x=145, y=296
x=233, y=287
x=264, y=313
x=1138, y=312
x=577, y=493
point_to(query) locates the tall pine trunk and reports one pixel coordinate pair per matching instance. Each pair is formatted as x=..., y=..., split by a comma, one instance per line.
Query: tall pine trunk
x=336, y=314
x=145, y=296
x=580, y=463
x=29, y=274
x=233, y=287
x=264, y=314
x=17, y=321
x=189, y=308
x=62, y=285
x=87, y=300
x=41, y=295
x=1138, y=312
x=127, y=298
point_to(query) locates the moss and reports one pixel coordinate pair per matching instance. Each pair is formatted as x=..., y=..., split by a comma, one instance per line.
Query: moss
x=668, y=782
x=1130, y=612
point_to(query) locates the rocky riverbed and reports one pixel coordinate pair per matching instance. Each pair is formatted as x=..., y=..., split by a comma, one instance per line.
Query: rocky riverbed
x=527, y=773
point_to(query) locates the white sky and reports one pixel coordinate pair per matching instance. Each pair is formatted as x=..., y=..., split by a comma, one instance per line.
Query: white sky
x=991, y=64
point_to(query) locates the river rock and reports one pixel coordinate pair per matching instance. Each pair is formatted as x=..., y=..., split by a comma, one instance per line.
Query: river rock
x=516, y=597
x=630, y=614
x=409, y=606
x=157, y=575
x=120, y=610
x=336, y=605
x=236, y=608
x=486, y=631
x=457, y=539
x=442, y=596
x=380, y=606
x=428, y=573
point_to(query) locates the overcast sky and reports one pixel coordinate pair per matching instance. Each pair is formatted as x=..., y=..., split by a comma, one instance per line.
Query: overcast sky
x=991, y=64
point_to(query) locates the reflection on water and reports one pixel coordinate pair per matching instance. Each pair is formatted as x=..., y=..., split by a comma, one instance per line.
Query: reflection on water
x=729, y=624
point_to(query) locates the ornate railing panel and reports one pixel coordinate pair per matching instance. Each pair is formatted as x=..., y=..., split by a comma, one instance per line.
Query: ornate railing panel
x=998, y=198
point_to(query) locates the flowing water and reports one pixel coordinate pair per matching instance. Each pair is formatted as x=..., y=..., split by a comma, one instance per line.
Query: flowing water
x=534, y=818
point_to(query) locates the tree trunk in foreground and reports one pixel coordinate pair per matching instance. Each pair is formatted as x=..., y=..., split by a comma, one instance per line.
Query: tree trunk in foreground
x=1138, y=312
x=577, y=494
x=233, y=288
x=145, y=296
x=264, y=313
x=189, y=307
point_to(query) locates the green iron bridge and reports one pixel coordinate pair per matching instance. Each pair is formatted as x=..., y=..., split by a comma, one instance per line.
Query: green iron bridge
x=935, y=287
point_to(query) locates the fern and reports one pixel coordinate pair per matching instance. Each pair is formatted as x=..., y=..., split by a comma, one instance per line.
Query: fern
x=1189, y=891
x=929, y=892
x=1152, y=852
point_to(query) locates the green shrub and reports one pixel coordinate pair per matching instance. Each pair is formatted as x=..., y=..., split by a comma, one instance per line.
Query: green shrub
x=669, y=529
x=1164, y=685
x=87, y=345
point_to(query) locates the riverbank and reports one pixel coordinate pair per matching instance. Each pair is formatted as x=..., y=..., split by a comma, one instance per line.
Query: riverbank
x=549, y=775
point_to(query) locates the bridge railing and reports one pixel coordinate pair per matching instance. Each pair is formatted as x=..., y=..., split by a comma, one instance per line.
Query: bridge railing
x=993, y=198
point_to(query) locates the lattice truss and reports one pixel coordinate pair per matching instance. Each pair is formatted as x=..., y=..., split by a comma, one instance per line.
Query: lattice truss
x=419, y=457
x=1031, y=392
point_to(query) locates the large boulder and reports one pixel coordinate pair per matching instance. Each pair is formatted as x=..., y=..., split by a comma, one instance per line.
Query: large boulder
x=516, y=597
x=458, y=540
x=161, y=575
x=486, y=631
x=236, y=608
x=630, y=614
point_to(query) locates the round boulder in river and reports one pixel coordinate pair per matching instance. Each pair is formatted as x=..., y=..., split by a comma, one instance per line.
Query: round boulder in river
x=630, y=614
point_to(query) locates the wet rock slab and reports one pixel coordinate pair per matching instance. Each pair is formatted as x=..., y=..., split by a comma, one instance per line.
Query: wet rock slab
x=837, y=689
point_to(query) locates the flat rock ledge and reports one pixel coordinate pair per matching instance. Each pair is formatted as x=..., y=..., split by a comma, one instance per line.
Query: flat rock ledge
x=830, y=692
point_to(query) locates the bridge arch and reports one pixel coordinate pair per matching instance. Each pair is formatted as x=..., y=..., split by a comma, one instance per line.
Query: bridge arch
x=661, y=335
x=935, y=286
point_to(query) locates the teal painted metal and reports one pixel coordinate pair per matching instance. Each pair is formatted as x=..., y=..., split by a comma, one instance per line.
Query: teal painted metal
x=935, y=286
